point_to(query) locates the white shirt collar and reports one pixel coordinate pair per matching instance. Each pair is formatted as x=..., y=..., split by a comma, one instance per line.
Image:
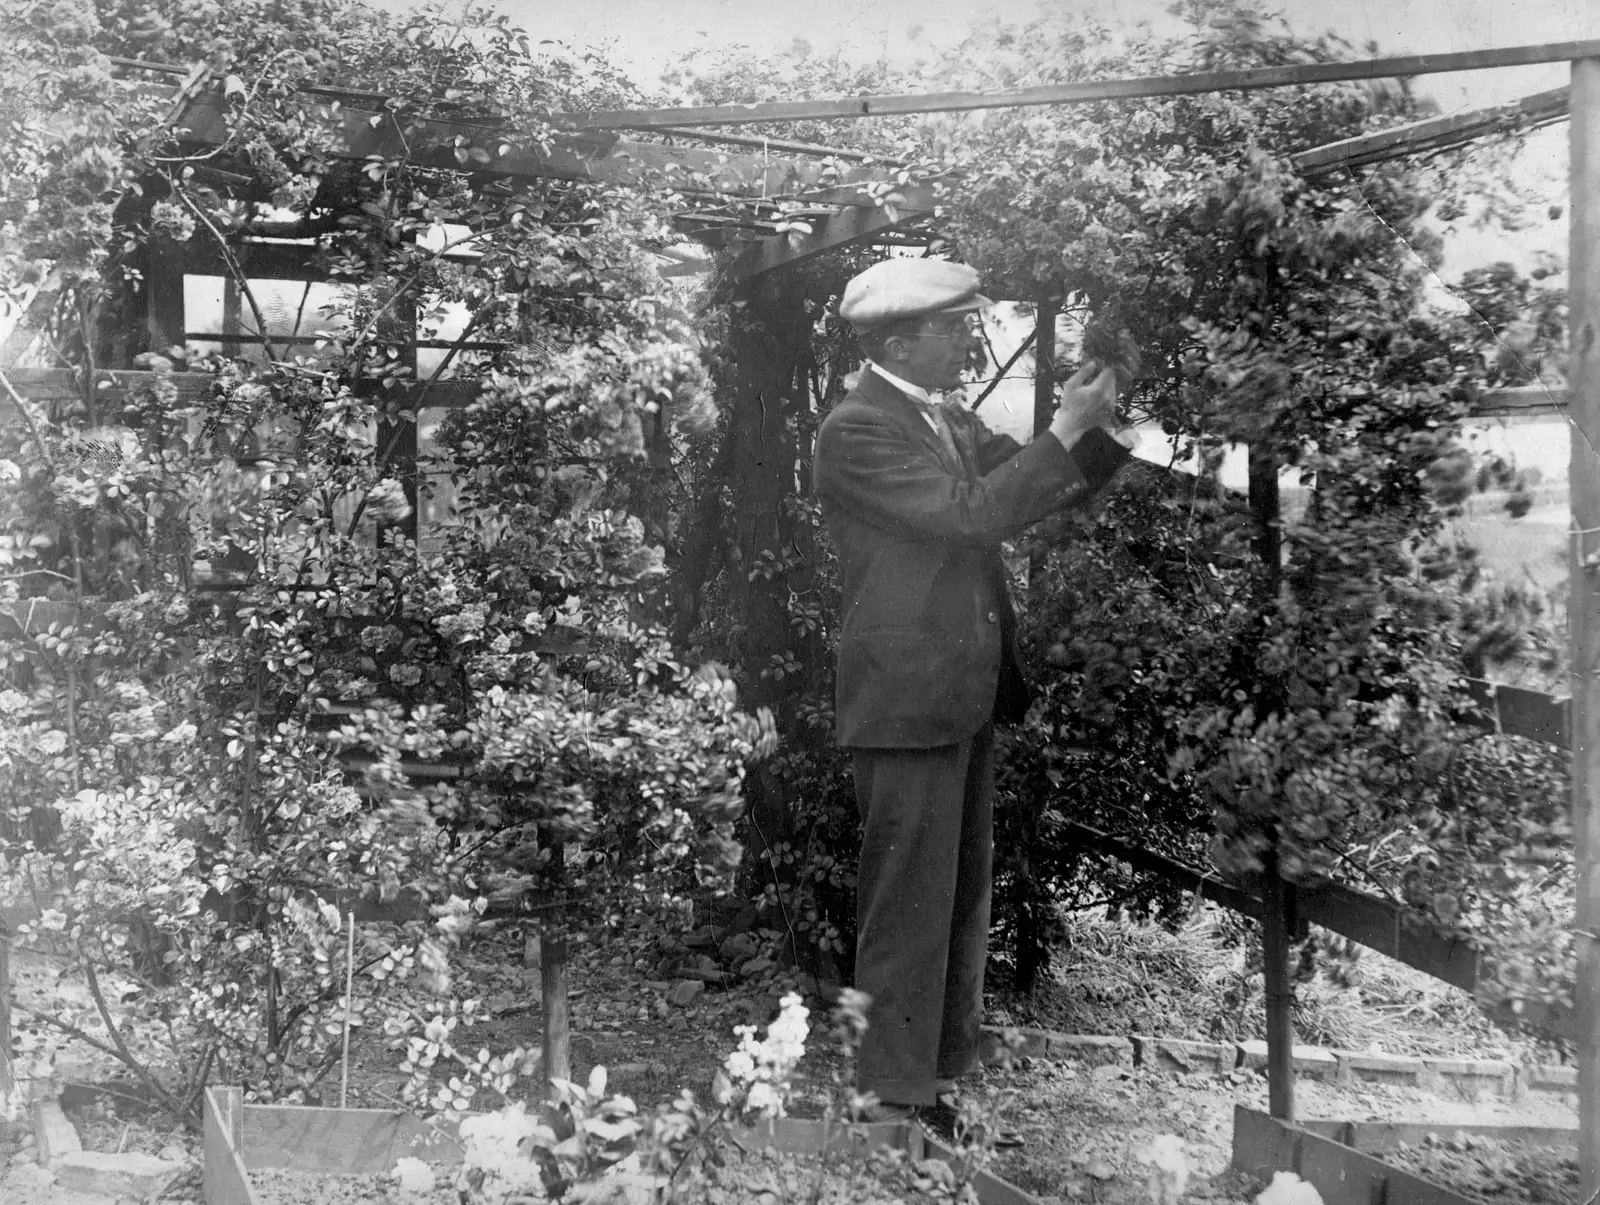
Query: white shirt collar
x=904, y=386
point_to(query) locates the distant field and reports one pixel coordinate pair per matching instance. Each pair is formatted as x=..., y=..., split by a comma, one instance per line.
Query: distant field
x=1529, y=550
x=1532, y=549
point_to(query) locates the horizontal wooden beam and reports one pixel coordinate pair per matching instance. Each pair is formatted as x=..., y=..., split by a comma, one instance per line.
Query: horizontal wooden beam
x=356, y=133
x=60, y=384
x=1392, y=930
x=113, y=385
x=783, y=145
x=1205, y=882
x=1515, y=711
x=1521, y=400
x=1434, y=134
x=1373, y=922
x=849, y=108
x=842, y=229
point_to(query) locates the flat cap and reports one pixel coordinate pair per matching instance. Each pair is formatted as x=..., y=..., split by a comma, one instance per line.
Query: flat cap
x=904, y=288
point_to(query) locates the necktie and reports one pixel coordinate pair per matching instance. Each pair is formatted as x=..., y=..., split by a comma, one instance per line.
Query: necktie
x=947, y=438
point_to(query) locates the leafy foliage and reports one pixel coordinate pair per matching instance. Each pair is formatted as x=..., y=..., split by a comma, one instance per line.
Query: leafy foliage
x=218, y=610
x=1278, y=691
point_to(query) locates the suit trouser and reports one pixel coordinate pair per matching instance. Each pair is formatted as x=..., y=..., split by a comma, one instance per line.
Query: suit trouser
x=922, y=912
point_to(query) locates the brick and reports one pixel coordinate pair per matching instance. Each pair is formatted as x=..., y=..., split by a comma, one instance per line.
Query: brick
x=56, y=1136
x=1550, y=1077
x=1380, y=1069
x=992, y=1042
x=117, y=1175
x=1091, y=1049
x=1313, y=1062
x=1176, y=1054
x=1469, y=1078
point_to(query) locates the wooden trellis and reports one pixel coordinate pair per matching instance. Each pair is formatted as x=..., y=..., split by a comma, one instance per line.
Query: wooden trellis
x=865, y=201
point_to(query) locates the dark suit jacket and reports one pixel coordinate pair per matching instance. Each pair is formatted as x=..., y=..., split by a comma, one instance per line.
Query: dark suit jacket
x=926, y=614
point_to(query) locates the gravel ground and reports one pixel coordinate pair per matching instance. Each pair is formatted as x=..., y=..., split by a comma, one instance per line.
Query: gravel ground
x=283, y=1187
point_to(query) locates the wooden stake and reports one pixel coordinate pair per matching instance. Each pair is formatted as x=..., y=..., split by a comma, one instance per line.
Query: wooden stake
x=557, y=1018
x=8, y=1079
x=1584, y=393
x=349, y=998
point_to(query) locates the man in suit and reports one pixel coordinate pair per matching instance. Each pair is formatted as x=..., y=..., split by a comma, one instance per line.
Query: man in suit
x=917, y=498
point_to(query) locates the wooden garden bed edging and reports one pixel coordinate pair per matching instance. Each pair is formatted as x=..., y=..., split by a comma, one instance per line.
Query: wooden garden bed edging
x=1376, y=1136
x=334, y=1142
x=1341, y=1174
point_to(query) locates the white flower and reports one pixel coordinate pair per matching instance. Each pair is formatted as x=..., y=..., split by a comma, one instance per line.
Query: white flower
x=491, y=1143
x=52, y=742
x=12, y=701
x=466, y=624
x=388, y=502
x=181, y=735
x=764, y=1099
x=413, y=1177
x=740, y=1066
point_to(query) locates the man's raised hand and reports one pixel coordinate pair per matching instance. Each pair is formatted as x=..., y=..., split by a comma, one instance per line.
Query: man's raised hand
x=1088, y=400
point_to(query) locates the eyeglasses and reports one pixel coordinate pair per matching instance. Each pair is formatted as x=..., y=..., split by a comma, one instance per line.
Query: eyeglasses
x=972, y=330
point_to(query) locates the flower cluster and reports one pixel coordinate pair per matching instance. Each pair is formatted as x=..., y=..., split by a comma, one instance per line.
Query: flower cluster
x=755, y=1077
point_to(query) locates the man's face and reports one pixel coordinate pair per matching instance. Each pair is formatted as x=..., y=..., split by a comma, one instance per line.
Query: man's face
x=935, y=355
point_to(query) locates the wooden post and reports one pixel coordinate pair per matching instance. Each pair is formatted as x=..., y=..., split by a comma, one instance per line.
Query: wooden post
x=1046, y=310
x=1584, y=613
x=164, y=316
x=233, y=315
x=1268, y=510
x=1277, y=896
x=397, y=435
x=557, y=1017
x=1044, y=364
x=1276, y=923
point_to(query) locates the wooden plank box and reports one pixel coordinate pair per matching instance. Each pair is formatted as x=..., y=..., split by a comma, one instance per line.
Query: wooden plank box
x=1324, y=1154
x=334, y=1142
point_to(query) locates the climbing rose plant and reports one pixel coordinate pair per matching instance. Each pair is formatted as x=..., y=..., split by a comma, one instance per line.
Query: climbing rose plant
x=242, y=702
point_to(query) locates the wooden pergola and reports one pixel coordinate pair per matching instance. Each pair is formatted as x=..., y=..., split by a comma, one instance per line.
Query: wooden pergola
x=851, y=200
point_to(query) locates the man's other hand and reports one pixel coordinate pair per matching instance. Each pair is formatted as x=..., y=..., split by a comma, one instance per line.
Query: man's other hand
x=1088, y=400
